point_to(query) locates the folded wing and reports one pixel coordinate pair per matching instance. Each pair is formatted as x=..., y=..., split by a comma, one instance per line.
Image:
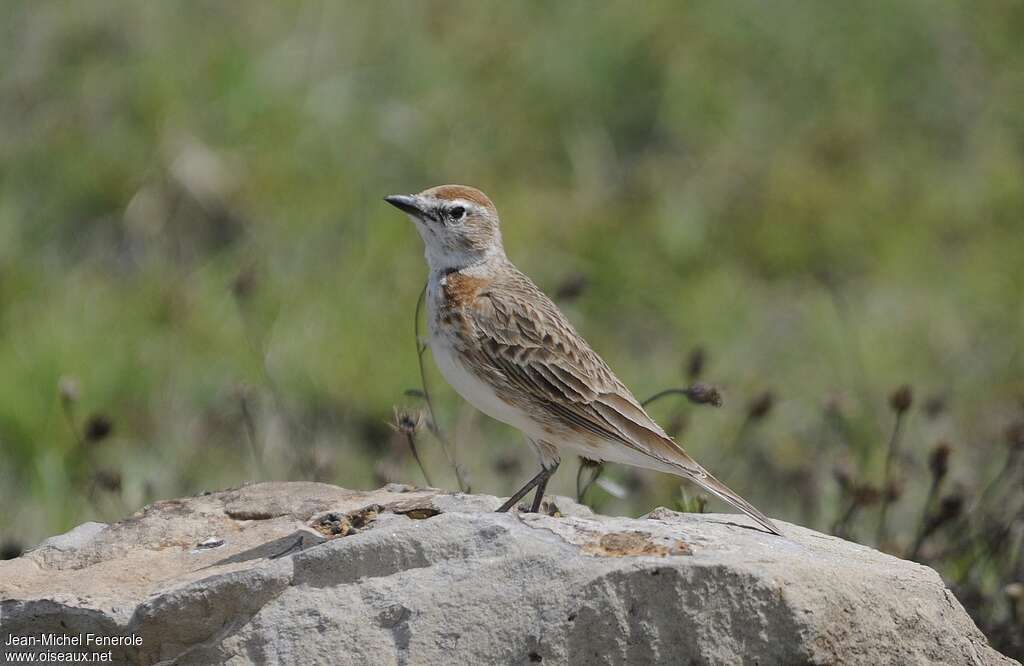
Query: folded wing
x=527, y=344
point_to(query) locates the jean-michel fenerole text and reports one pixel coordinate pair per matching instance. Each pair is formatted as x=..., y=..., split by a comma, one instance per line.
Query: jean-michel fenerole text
x=65, y=640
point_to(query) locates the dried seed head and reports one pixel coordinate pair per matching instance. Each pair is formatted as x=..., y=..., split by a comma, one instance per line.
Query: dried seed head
x=949, y=508
x=935, y=406
x=407, y=421
x=695, y=363
x=761, y=406
x=704, y=394
x=572, y=287
x=866, y=494
x=244, y=283
x=108, y=479
x=98, y=428
x=901, y=399
x=938, y=461
x=67, y=388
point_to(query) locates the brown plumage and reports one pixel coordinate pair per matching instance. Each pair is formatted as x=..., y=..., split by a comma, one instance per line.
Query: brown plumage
x=508, y=349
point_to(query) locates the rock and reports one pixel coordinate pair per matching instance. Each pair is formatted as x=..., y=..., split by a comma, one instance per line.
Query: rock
x=310, y=573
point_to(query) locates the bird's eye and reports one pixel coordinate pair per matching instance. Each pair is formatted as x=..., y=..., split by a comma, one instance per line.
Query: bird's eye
x=457, y=213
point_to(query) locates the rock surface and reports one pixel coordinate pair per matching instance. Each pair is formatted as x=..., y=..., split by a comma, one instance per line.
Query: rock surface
x=310, y=573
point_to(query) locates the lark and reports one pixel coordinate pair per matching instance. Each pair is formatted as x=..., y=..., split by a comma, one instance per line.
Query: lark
x=508, y=350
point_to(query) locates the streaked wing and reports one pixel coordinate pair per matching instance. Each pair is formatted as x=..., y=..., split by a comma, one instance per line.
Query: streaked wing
x=528, y=350
x=523, y=336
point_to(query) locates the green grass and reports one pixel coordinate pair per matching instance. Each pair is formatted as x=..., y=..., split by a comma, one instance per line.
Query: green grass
x=829, y=198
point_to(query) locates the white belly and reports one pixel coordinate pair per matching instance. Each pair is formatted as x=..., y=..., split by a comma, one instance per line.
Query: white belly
x=476, y=391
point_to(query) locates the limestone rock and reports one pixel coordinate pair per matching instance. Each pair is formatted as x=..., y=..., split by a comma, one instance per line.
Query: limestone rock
x=310, y=573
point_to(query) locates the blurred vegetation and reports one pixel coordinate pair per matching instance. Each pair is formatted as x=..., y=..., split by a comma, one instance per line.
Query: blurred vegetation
x=200, y=286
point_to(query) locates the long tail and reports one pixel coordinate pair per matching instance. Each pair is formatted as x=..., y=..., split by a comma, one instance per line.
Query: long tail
x=709, y=483
x=638, y=431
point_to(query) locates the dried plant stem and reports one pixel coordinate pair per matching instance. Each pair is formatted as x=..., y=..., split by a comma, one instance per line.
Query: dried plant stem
x=997, y=481
x=250, y=435
x=69, y=415
x=923, y=531
x=581, y=487
x=972, y=534
x=81, y=454
x=411, y=439
x=983, y=550
x=839, y=528
x=894, y=440
x=698, y=394
x=432, y=423
x=661, y=394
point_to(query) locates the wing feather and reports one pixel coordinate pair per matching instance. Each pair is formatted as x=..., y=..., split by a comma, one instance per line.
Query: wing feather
x=523, y=333
x=522, y=336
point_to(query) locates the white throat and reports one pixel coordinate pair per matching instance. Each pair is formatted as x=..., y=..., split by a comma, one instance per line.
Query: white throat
x=447, y=262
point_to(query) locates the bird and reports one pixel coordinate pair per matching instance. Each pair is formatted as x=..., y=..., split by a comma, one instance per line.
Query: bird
x=508, y=350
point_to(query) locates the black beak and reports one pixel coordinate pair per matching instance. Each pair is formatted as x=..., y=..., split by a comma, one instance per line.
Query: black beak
x=406, y=203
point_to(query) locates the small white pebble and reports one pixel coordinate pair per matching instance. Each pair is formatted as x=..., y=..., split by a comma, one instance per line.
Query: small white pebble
x=212, y=542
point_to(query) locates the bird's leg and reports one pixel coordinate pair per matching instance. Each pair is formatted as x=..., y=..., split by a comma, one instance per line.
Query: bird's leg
x=542, y=485
x=542, y=476
x=549, y=460
x=540, y=482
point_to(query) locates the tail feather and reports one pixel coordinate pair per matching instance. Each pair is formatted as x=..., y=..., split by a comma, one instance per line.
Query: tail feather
x=722, y=491
x=636, y=429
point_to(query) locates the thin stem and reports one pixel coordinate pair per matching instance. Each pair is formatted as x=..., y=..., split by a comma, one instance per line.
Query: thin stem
x=432, y=423
x=582, y=488
x=69, y=416
x=894, y=441
x=997, y=480
x=698, y=394
x=923, y=533
x=661, y=394
x=839, y=527
x=82, y=460
x=411, y=439
x=250, y=434
x=970, y=531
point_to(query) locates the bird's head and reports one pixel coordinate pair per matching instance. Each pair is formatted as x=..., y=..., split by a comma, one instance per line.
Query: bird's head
x=459, y=225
